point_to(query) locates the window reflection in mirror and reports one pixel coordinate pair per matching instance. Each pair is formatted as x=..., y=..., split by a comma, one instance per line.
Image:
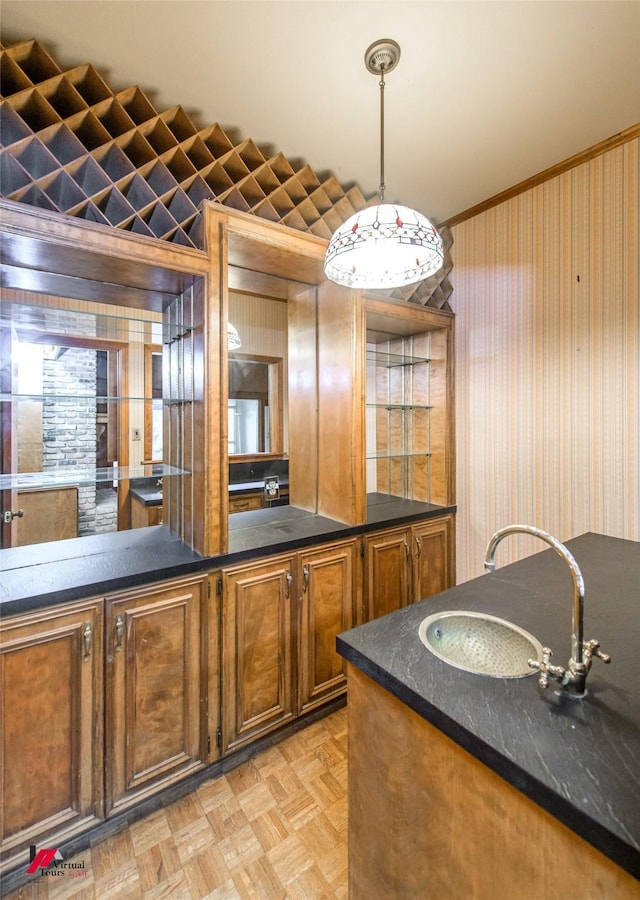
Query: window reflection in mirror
x=257, y=376
x=254, y=405
x=153, y=407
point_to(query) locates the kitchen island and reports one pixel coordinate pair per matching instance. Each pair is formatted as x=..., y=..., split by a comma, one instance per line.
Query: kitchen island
x=464, y=785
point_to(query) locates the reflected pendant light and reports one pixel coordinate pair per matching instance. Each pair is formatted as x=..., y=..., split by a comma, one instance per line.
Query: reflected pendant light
x=233, y=338
x=387, y=245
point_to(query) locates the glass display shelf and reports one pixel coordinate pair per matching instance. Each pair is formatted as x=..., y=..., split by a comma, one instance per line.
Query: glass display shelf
x=397, y=454
x=388, y=360
x=66, y=476
x=56, y=398
x=400, y=406
x=35, y=322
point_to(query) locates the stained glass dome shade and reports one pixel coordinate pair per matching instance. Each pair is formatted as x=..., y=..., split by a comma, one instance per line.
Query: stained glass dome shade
x=383, y=246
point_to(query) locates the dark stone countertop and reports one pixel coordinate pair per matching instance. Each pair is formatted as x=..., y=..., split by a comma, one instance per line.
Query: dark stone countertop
x=42, y=575
x=149, y=494
x=278, y=527
x=577, y=758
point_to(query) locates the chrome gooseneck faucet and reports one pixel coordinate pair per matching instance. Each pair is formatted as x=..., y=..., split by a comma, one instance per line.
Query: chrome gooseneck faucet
x=582, y=652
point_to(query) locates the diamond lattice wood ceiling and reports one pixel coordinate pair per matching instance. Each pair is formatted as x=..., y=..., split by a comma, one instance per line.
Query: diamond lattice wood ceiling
x=69, y=143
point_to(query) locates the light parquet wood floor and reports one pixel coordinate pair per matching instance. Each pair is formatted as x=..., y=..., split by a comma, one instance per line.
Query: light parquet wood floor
x=275, y=827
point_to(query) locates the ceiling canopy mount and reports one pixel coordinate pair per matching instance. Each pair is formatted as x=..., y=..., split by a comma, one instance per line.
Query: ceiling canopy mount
x=382, y=56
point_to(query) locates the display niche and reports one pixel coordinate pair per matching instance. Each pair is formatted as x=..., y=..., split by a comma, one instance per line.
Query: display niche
x=257, y=419
x=97, y=383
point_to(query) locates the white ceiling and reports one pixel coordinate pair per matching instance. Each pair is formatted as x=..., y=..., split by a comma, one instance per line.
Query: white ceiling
x=486, y=94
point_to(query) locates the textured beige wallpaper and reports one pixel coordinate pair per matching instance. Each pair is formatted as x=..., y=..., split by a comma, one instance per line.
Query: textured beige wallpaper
x=547, y=303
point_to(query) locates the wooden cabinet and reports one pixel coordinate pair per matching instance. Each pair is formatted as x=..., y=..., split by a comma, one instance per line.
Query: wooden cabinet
x=187, y=673
x=142, y=515
x=155, y=688
x=51, y=703
x=280, y=620
x=403, y=565
x=400, y=442
x=453, y=807
x=387, y=581
x=433, y=546
x=320, y=332
x=246, y=502
x=85, y=734
x=253, y=500
x=151, y=710
x=328, y=588
x=257, y=654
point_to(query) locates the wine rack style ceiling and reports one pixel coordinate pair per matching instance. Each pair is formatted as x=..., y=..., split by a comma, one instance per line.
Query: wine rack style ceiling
x=69, y=143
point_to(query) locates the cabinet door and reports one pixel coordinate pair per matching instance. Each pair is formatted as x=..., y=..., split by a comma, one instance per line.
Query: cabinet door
x=51, y=712
x=256, y=649
x=388, y=571
x=433, y=550
x=326, y=587
x=155, y=688
x=212, y=651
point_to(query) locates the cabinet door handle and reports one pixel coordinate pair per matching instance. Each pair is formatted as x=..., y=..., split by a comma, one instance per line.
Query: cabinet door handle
x=418, y=547
x=305, y=578
x=87, y=635
x=289, y=579
x=407, y=551
x=119, y=632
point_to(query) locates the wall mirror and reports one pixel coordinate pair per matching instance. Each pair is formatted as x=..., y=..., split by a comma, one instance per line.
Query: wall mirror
x=257, y=396
x=53, y=433
x=254, y=405
x=82, y=411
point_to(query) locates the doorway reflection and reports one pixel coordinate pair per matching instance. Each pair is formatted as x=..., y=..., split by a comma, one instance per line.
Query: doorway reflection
x=79, y=429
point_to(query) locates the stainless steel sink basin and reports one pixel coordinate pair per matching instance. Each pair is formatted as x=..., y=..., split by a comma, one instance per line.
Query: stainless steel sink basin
x=480, y=643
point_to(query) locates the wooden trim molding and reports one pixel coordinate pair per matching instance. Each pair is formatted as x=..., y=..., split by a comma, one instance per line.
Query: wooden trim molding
x=610, y=143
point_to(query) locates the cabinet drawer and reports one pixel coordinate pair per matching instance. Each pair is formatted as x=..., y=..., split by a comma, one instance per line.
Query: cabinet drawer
x=245, y=502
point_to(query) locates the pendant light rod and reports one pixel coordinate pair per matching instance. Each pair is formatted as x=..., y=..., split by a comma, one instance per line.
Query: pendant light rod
x=380, y=57
x=381, y=189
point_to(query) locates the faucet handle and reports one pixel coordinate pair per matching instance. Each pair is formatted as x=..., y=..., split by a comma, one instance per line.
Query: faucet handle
x=591, y=649
x=545, y=668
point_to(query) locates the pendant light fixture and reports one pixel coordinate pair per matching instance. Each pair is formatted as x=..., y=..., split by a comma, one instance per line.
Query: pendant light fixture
x=387, y=245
